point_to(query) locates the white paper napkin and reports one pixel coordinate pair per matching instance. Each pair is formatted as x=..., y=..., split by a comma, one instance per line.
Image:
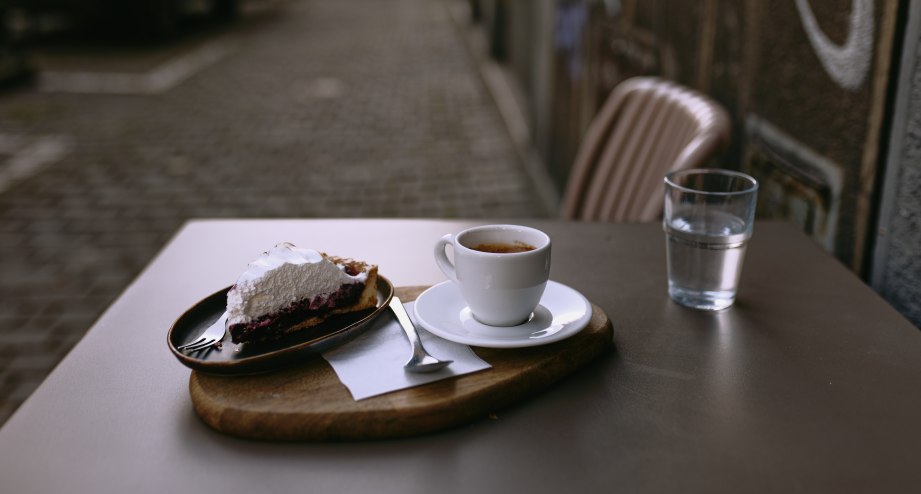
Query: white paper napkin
x=372, y=364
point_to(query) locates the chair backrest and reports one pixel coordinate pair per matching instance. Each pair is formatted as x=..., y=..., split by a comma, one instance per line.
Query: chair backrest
x=646, y=128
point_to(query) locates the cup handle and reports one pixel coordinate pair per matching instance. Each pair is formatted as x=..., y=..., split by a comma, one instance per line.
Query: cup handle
x=442, y=259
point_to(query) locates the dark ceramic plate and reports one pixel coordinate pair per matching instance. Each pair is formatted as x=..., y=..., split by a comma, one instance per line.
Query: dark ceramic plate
x=254, y=358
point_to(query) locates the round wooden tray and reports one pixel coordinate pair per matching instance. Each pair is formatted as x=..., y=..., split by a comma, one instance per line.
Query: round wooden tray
x=310, y=403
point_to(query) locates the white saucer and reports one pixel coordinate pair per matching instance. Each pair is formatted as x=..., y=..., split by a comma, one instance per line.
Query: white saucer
x=562, y=312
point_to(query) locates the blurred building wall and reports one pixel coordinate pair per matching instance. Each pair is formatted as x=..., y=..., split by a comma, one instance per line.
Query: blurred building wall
x=809, y=84
x=896, y=267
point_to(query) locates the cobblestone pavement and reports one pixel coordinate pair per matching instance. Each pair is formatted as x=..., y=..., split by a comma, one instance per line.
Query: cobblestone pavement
x=363, y=108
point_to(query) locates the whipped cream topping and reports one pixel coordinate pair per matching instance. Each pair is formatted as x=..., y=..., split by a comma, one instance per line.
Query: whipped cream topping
x=282, y=276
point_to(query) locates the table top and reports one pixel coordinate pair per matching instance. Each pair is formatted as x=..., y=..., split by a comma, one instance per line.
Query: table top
x=810, y=383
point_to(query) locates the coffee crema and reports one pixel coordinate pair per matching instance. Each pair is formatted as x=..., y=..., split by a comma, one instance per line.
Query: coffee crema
x=504, y=248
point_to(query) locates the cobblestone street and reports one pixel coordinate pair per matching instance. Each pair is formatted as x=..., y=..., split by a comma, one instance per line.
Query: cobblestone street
x=305, y=108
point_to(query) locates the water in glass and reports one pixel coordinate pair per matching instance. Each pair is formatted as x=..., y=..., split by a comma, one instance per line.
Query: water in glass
x=705, y=253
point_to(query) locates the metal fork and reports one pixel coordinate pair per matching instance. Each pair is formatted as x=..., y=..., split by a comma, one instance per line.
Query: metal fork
x=212, y=335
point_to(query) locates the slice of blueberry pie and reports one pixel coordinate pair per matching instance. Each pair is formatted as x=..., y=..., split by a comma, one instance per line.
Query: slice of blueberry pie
x=289, y=289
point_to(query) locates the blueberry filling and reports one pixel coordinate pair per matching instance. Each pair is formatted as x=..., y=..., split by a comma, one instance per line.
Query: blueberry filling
x=272, y=326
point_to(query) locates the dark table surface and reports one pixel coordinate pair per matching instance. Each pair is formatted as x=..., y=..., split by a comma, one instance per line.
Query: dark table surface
x=810, y=383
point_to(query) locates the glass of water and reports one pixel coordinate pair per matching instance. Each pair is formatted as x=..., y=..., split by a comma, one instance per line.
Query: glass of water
x=709, y=215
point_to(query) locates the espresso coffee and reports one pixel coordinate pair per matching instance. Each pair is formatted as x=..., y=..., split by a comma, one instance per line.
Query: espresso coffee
x=501, y=271
x=504, y=248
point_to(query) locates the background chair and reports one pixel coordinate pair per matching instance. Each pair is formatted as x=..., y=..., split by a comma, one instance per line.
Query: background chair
x=646, y=128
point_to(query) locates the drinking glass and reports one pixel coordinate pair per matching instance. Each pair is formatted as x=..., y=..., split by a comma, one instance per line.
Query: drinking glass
x=709, y=215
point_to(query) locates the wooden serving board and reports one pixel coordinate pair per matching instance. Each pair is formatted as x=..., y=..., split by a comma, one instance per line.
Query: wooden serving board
x=310, y=403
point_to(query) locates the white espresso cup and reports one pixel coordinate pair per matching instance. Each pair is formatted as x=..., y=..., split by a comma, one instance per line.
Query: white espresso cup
x=501, y=270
